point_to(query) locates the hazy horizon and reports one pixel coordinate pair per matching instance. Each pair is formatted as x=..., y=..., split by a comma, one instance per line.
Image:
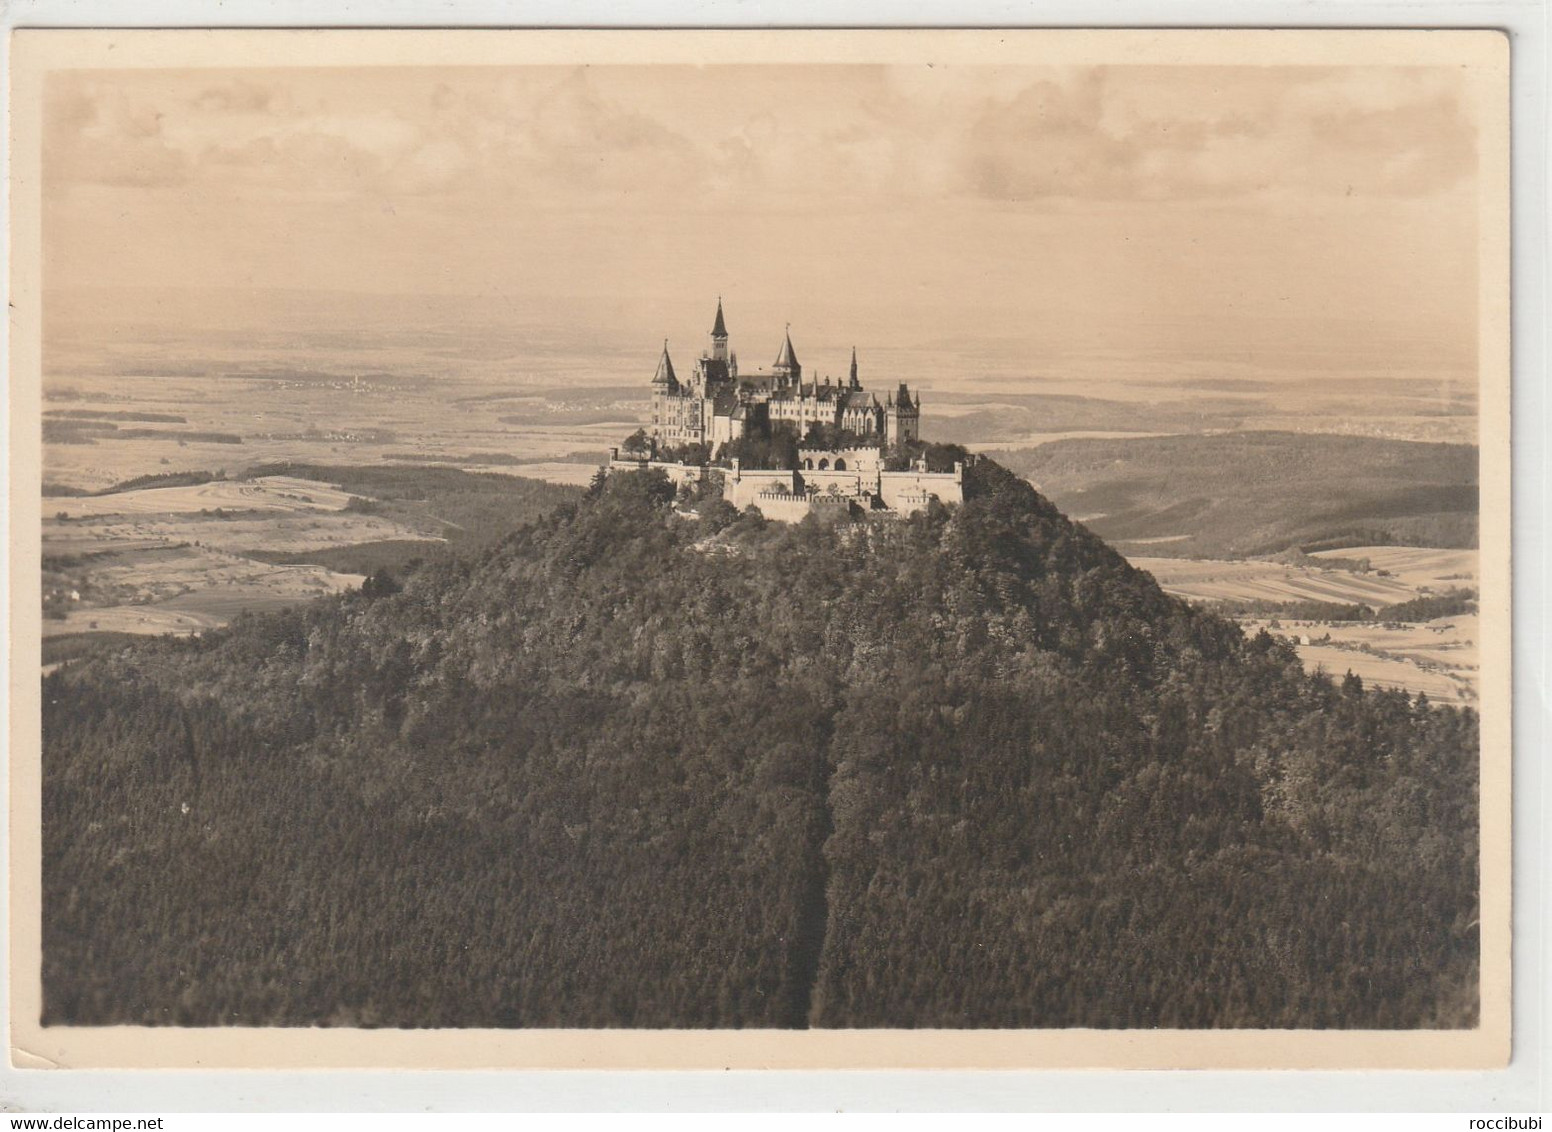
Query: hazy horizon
x=1141, y=223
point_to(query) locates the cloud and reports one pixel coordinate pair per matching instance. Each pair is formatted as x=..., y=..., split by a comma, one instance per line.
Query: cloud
x=1048, y=141
x=591, y=144
x=99, y=131
x=1134, y=133
x=235, y=97
x=771, y=138
x=100, y=138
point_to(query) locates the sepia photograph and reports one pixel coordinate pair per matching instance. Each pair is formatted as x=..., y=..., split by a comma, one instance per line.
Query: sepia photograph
x=975, y=540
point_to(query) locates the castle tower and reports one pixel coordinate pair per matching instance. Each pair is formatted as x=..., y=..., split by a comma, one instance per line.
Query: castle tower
x=902, y=420
x=665, y=397
x=665, y=378
x=855, y=384
x=719, y=336
x=787, y=368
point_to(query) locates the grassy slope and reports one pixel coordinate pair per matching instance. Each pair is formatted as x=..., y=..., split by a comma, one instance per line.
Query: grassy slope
x=1247, y=493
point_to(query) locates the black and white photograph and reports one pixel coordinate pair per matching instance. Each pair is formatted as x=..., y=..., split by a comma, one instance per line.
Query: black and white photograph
x=909, y=534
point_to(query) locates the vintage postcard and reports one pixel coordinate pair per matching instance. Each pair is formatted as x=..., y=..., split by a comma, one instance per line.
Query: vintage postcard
x=760, y=549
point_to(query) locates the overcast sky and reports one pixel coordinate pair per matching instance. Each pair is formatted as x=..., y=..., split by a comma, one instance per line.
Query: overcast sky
x=1010, y=203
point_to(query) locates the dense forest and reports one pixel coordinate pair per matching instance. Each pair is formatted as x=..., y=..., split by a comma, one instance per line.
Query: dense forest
x=636, y=767
x=1307, y=490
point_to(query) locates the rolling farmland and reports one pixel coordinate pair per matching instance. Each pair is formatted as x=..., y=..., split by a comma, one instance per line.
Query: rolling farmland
x=172, y=559
x=1438, y=657
x=182, y=558
x=1259, y=580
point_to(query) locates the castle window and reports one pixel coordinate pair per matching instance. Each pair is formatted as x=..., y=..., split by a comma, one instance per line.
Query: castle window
x=824, y=465
x=840, y=465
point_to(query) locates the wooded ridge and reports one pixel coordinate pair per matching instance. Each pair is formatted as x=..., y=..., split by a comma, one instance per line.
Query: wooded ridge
x=630, y=769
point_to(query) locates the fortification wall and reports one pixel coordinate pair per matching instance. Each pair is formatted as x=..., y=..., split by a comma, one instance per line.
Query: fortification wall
x=869, y=459
x=783, y=506
x=908, y=492
x=677, y=473
x=741, y=488
x=788, y=496
x=831, y=508
x=846, y=483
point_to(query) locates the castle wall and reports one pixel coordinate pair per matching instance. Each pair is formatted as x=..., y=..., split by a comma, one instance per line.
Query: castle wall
x=846, y=483
x=789, y=496
x=678, y=474
x=831, y=508
x=743, y=487
x=908, y=492
x=783, y=507
x=857, y=459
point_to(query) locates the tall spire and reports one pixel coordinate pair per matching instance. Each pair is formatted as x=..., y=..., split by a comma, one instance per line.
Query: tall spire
x=854, y=382
x=787, y=360
x=665, y=370
x=719, y=336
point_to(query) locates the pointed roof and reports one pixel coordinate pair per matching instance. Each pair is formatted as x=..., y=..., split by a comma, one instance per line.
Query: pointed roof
x=788, y=357
x=719, y=328
x=665, y=369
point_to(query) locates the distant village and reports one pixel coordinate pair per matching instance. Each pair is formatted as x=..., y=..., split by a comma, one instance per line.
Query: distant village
x=787, y=446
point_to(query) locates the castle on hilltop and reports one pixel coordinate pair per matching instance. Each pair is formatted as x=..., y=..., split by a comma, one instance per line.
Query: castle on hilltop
x=842, y=450
x=717, y=405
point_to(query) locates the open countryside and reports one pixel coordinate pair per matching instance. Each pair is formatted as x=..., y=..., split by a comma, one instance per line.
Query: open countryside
x=188, y=557
x=185, y=558
x=175, y=559
x=1437, y=656
x=179, y=495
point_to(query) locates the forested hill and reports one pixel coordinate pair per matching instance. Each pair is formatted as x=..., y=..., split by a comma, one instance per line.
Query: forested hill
x=627, y=768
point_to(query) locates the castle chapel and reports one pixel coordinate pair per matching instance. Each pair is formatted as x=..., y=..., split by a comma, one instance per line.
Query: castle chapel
x=717, y=404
